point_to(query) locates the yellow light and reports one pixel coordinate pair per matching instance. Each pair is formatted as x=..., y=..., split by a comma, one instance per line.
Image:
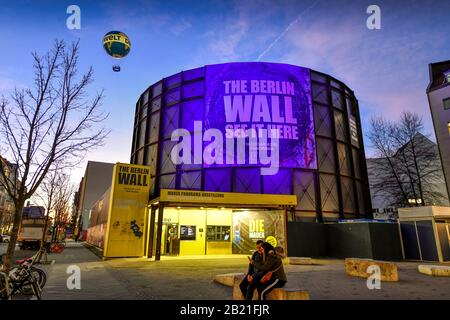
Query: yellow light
x=222, y=208
x=178, y=207
x=448, y=127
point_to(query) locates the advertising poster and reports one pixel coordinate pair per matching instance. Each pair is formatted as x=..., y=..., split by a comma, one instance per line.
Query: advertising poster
x=98, y=221
x=128, y=207
x=270, y=106
x=251, y=226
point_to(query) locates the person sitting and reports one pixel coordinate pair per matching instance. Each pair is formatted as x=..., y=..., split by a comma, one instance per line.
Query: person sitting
x=250, y=282
x=272, y=268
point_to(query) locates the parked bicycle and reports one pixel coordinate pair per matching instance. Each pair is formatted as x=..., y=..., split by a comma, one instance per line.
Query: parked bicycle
x=24, y=278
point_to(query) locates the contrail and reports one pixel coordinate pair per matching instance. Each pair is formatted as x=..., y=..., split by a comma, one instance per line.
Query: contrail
x=286, y=30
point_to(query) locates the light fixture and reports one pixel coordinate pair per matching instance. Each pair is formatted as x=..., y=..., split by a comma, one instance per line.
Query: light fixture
x=447, y=76
x=178, y=207
x=201, y=208
x=222, y=208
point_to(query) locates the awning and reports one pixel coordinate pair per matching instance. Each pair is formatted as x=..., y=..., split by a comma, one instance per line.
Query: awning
x=224, y=198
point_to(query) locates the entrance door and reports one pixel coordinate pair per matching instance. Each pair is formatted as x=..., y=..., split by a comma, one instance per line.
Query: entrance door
x=444, y=239
x=163, y=239
x=169, y=240
x=410, y=242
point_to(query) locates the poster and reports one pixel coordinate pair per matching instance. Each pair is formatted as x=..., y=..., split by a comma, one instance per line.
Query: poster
x=128, y=211
x=254, y=225
x=267, y=104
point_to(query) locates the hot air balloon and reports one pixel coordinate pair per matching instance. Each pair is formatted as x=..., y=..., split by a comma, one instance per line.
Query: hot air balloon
x=117, y=45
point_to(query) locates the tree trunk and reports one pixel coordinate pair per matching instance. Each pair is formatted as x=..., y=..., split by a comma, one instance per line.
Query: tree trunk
x=42, y=249
x=1, y=220
x=14, y=234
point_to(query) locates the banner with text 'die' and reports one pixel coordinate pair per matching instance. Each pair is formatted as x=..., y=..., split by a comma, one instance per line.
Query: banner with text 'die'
x=128, y=211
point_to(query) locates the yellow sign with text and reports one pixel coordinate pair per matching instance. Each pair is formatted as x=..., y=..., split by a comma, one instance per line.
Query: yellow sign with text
x=205, y=197
x=125, y=233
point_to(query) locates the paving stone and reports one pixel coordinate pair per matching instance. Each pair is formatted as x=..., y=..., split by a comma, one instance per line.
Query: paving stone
x=186, y=279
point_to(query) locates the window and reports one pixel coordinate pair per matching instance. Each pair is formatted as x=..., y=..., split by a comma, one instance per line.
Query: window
x=447, y=104
x=218, y=233
x=448, y=127
x=187, y=232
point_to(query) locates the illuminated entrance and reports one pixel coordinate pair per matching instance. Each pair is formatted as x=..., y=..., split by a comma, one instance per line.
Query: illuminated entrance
x=183, y=222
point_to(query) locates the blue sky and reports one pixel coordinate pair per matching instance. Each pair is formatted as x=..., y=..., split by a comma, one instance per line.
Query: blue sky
x=387, y=68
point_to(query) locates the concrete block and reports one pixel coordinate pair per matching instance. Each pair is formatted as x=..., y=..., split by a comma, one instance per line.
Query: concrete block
x=358, y=268
x=227, y=279
x=434, y=270
x=288, y=294
x=275, y=294
x=300, y=261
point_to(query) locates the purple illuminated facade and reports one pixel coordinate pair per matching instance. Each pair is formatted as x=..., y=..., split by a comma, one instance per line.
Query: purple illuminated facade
x=317, y=130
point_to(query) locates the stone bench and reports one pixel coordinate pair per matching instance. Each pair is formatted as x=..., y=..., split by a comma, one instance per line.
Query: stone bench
x=300, y=260
x=358, y=268
x=227, y=279
x=284, y=293
x=434, y=270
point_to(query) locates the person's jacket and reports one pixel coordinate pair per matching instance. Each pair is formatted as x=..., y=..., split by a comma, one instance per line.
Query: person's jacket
x=255, y=257
x=272, y=262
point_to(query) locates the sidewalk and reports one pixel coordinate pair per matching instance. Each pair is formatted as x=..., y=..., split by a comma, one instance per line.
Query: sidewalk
x=96, y=280
x=187, y=279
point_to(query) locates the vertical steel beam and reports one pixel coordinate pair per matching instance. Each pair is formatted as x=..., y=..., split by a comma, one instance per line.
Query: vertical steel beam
x=159, y=232
x=152, y=232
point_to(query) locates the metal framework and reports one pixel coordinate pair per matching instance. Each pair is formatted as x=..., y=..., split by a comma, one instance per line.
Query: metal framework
x=338, y=189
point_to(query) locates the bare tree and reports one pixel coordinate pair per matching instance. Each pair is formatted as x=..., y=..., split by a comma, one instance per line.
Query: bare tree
x=408, y=164
x=62, y=204
x=49, y=193
x=54, y=121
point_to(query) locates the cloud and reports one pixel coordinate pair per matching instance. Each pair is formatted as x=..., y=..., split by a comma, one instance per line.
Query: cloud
x=388, y=69
x=225, y=45
x=7, y=85
x=180, y=26
x=286, y=30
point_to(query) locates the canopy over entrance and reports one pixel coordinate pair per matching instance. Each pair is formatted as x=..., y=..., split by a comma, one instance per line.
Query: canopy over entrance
x=215, y=222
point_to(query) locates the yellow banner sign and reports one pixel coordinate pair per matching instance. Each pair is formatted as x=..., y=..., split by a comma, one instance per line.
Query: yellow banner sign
x=188, y=196
x=125, y=234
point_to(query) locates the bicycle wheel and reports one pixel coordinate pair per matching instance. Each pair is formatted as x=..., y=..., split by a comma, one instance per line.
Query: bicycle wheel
x=4, y=286
x=39, y=276
x=37, y=290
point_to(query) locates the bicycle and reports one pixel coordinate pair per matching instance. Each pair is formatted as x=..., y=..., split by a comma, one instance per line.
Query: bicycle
x=25, y=278
x=37, y=273
x=11, y=284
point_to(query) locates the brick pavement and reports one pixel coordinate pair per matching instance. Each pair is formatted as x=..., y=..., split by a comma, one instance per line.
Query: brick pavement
x=185, y=279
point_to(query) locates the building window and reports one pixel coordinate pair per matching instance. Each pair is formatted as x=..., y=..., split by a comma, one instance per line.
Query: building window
x=447, y=104
x=448, y=127
x=218, y=233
